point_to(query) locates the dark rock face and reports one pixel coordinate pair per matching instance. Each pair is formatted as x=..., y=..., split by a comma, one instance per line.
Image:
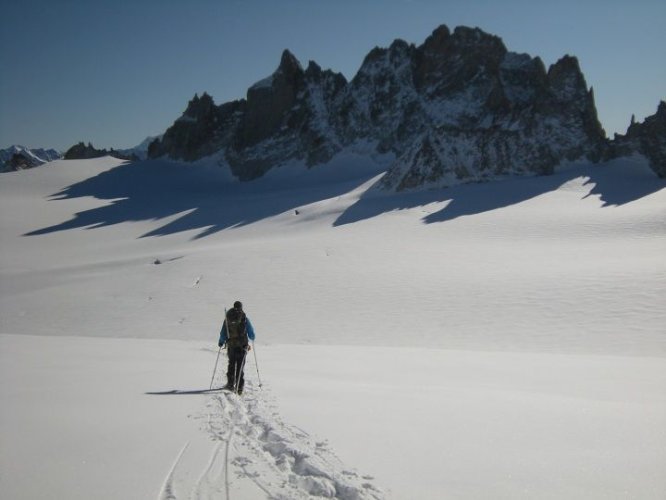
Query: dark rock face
x=492, y=113
x=19, y=161
x=269, y=101
x=287, y=116
x=647, y=138
x=82, y=151
x=20, y=158
x=458, y=108
x=199, y=132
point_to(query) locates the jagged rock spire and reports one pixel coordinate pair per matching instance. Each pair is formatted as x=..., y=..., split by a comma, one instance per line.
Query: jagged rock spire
x=647, y=138
x=460, y=91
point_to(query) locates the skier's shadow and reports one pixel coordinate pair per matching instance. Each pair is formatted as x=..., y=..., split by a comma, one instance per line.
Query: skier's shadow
x=180, y=392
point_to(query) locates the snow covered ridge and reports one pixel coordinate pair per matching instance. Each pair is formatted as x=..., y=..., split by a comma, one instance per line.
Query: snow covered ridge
x=458, y=108
x=19, y=157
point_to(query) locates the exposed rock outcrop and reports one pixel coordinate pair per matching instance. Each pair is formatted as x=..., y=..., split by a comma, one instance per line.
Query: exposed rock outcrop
x=20, y=158
x=458, y=108
x=19, y=161
x=647, y=138
x=83, y=151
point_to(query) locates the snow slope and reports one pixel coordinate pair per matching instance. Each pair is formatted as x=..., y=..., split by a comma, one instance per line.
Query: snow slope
x=497, y=340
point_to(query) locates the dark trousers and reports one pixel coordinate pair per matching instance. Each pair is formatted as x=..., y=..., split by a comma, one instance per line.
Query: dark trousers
x=235, y=367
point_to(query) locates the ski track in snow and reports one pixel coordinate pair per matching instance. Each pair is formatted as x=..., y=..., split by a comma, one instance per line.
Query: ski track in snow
x=253, y=444
x=168, y=489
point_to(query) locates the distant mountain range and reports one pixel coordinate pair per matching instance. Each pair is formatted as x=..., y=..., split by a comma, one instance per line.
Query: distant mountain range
x=458, y=108
x=82, y=151
x=20, y=157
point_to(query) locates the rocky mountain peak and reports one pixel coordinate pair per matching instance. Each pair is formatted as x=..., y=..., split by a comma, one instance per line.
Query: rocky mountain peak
x=313, y=71
x=635, y=129
x=464, y=36
x=438, y=39
x=566, y=78
x=464, y=42
x=380, y=55
x=315, y=75
x=446, y=62
x=18, y=157
x=647, y=138
x=268, y=102
x=83, y=151
x=199, y=106
x=458, y=108
x=19, y=161
x=289, y=65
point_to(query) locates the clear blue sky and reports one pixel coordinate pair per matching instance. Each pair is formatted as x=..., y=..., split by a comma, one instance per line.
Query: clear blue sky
x=115, y=71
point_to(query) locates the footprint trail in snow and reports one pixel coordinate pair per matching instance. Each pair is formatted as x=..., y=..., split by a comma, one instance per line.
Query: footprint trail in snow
x=256, y=455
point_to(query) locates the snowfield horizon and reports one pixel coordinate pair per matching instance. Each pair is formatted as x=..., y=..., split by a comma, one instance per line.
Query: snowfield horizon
x=496, y=340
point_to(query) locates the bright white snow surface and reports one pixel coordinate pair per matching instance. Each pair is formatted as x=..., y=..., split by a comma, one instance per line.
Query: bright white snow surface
x=501, y=340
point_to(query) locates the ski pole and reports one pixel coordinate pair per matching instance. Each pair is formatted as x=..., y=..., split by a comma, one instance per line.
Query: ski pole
x=215, y=369
x=256, y=365
x=219, y=350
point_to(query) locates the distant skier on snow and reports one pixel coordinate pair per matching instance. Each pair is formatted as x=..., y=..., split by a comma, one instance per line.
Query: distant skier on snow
x=236, y=332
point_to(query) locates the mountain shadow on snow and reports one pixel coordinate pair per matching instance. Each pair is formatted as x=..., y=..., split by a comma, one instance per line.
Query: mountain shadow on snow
x=615, y=183
x=200, y=197
x=197, y=198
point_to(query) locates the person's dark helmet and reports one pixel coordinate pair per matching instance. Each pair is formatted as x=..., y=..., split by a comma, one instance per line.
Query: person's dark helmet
x=238, y=305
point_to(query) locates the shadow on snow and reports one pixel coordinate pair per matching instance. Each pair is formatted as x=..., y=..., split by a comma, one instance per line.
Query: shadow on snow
x=182, y=392
x=199, y=197
x=615, y=183
x=203, y=198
